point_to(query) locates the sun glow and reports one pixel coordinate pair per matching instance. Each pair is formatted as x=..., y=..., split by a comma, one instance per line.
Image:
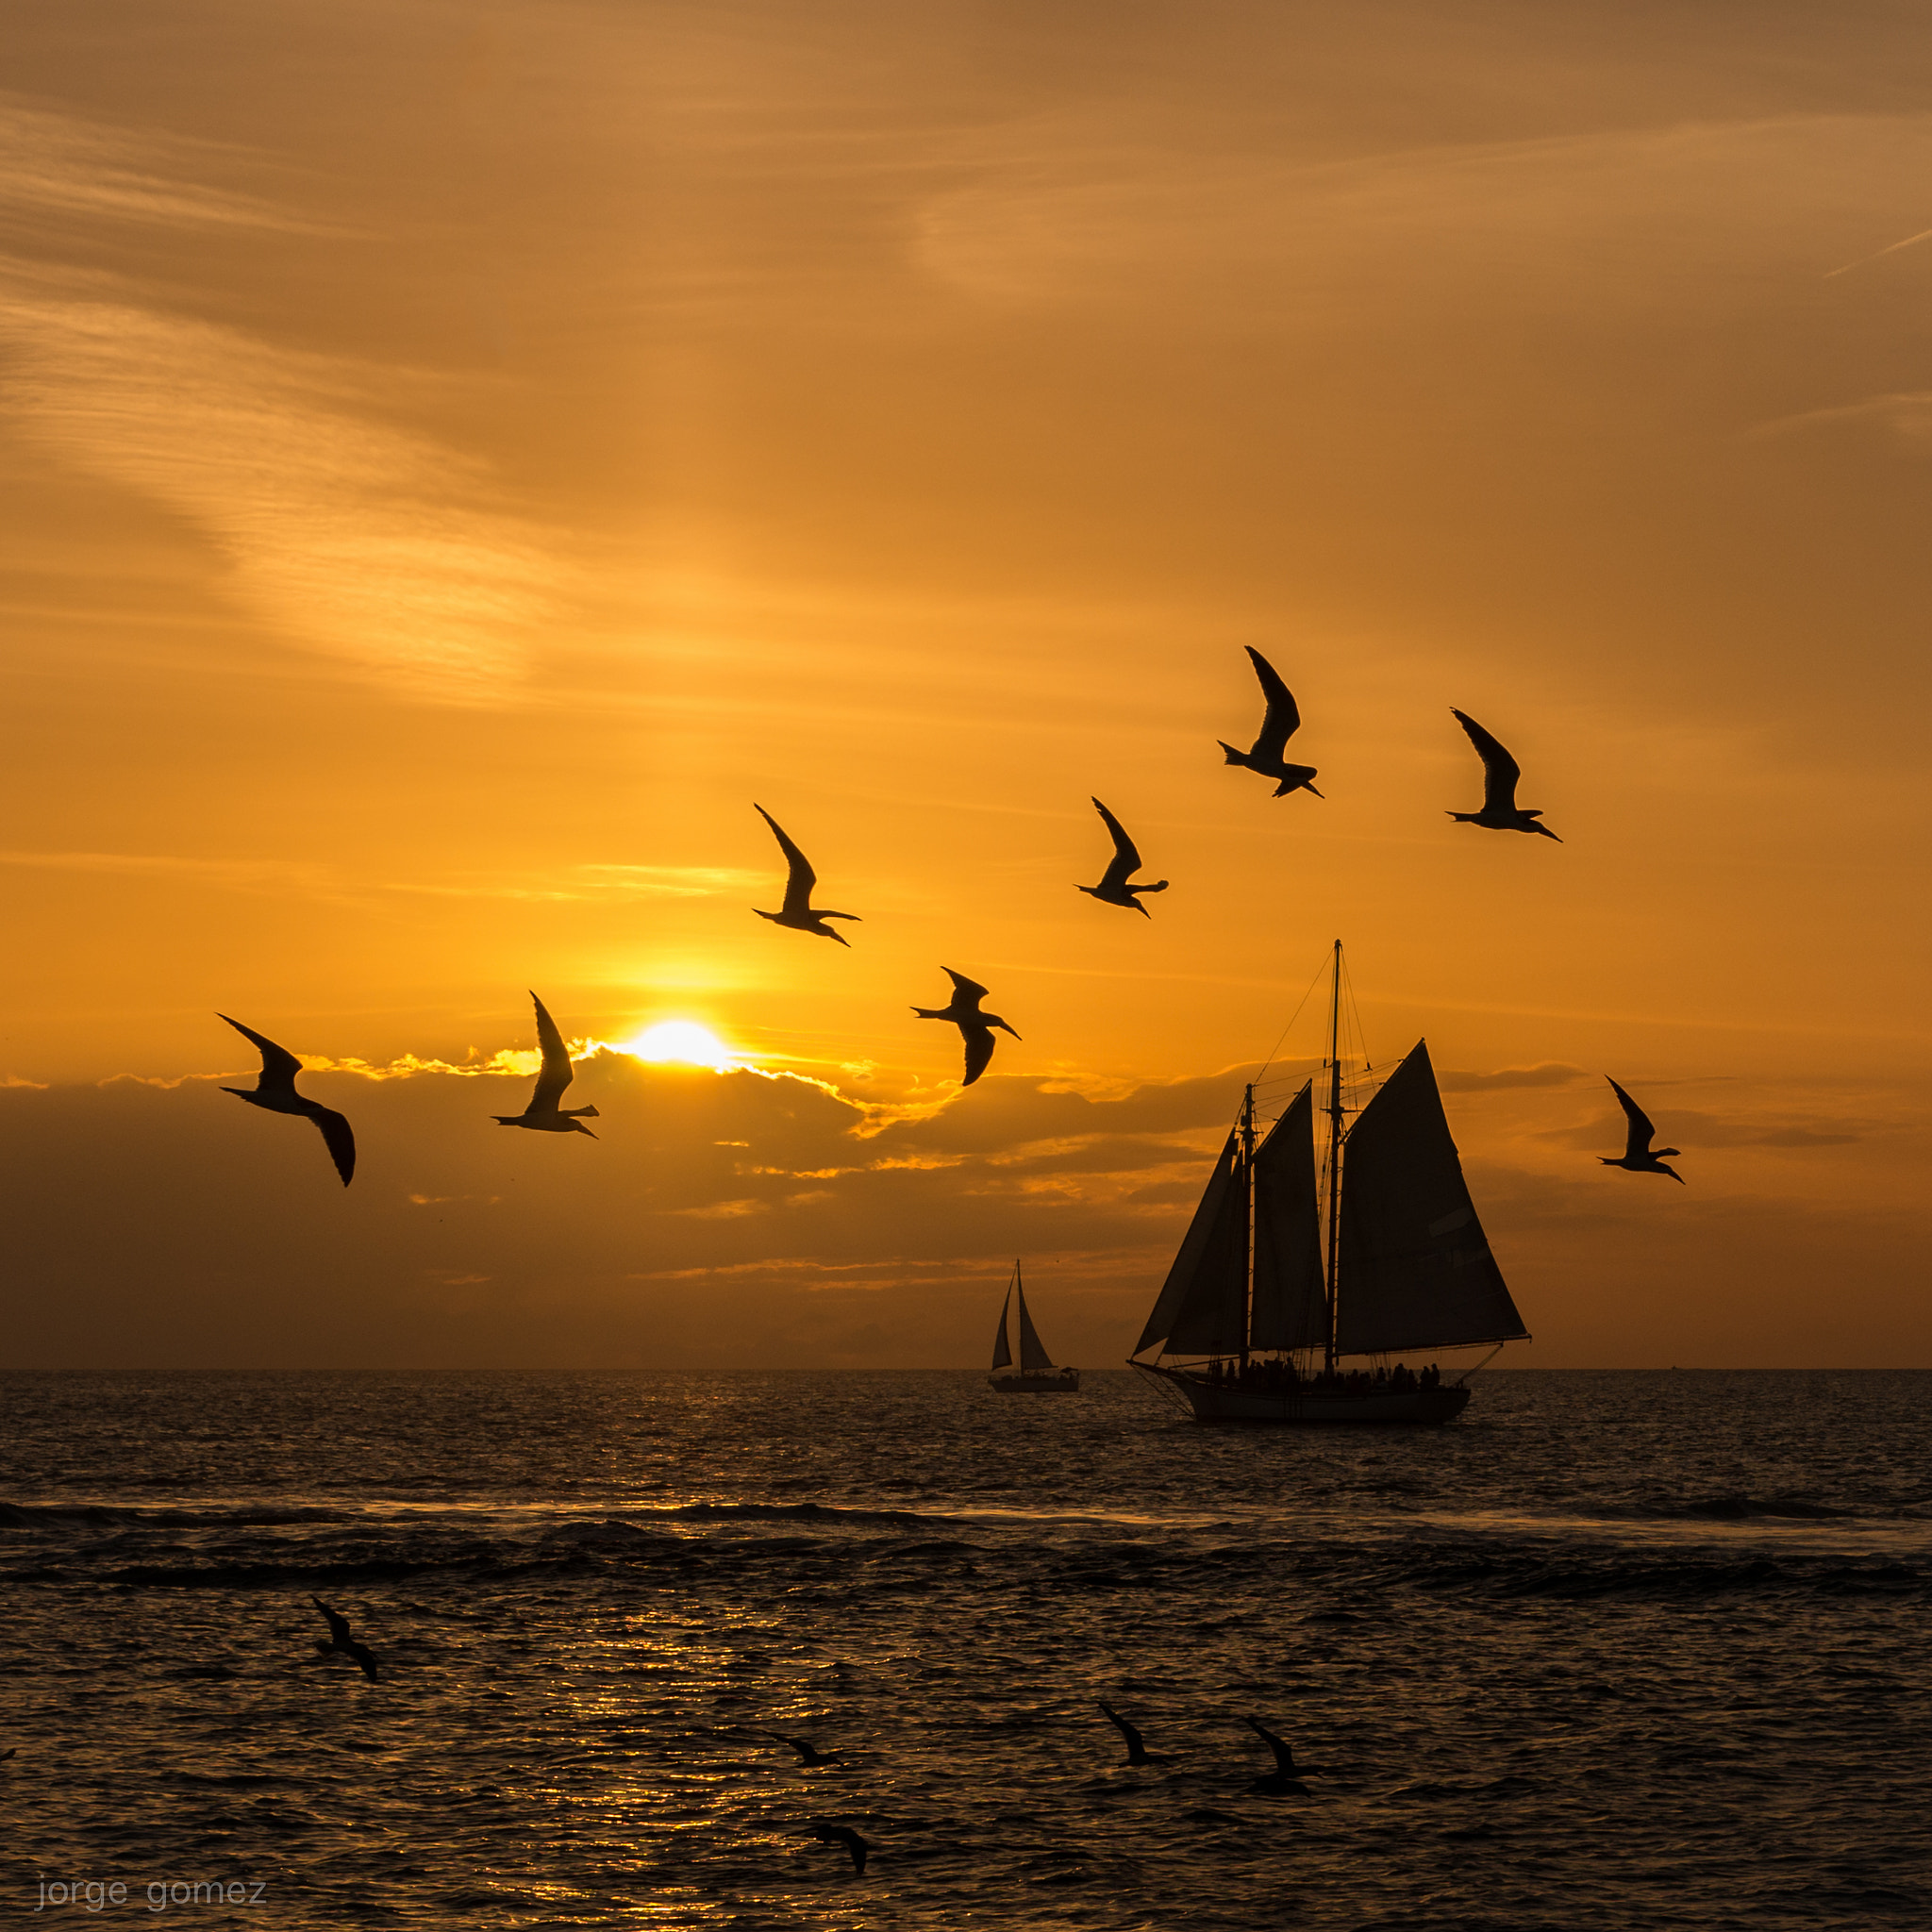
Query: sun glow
x=683, y=1041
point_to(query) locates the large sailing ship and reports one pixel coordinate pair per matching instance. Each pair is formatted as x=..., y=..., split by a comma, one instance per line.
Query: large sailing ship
x=1254, y=1324
x=1035, y=1373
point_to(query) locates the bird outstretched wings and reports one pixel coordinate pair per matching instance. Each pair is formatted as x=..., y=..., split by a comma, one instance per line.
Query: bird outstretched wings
x=339, y=1137
x=978, y=1052
x=1641, y=1131
x=1126, y=858
x=1281, y=719
x=556, y=1075
x=800, y=879
x=971, y=988
x=278, y=1065
x=1501, y=772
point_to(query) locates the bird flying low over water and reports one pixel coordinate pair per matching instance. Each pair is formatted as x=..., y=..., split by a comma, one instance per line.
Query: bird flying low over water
x=543, y=1115
x=798, y=913
x=1284, y=1778
x=1279, y=722
x=1113, y=888
x=340, y=1643
x=276, y=1089
x=1137, y=1752
x=1500, y=812
x=844, y=1835
x=962, y=1009
x=809, y=1756
x=1638, y=1156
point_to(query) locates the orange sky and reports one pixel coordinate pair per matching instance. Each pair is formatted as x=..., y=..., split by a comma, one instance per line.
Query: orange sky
x=455, y=458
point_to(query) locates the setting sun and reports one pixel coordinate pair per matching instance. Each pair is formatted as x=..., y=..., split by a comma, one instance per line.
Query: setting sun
x=682, y=1041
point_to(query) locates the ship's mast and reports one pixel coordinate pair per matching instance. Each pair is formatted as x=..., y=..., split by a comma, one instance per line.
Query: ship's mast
x=1334, y=1148
x=1248, y=1245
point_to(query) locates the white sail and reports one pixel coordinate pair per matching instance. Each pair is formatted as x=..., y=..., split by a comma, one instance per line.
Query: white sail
x=1203, y=1305
x=1290, y=1302
x=1002, y=1354
x=1416, y=1270
x=1032, y=1356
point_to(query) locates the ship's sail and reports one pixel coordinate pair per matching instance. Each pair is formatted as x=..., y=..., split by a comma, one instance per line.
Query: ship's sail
x=1203, y=1304
x=1291, y=1306
x=1002, y=1354
x=1032, y=1356
x=1416, y=1270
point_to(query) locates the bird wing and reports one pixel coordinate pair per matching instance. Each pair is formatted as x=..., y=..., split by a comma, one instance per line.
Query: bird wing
x=278, y=1065
x=341, y=1140
x=971, y=988
x=1283, y=1750
x=1642, y=1132
x=1124, y=1728
x=1500, y=771
x=801, y=878
x=364, y=1656
x=978, y=1052
x=1126, y=860
x=338, y=1624
x=1281, y=719
x=557, y=1073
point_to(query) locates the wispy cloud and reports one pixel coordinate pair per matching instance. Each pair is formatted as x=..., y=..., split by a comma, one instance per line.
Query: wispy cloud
x=1907, y=413
x=53, y=163
x=342, y=531
x=1890, y=248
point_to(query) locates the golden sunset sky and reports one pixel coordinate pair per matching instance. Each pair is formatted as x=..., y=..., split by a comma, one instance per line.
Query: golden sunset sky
x=456, y=457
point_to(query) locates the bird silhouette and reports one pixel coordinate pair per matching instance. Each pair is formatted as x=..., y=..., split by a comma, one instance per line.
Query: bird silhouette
x=1137, y=1752
x=1113, y=888
x=798, y=913
x=340, y=1643
x=1500, y=812
x=1284, y=1778
x=809, y=1756
x=274, y=1088
x=844, y=1835
x=1279, y=722
x=543, y=1115
x=1638, y=1156
x=962, y=1009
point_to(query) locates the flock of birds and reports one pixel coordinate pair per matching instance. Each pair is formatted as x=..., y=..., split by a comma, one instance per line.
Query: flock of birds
x=275, y=1089
x=1284, y=1779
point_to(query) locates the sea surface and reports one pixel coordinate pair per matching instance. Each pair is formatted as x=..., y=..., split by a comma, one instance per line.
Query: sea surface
x=1615, y=1650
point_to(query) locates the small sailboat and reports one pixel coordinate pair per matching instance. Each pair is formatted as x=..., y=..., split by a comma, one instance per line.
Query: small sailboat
x=1253, y=1325
x=1036, y=1374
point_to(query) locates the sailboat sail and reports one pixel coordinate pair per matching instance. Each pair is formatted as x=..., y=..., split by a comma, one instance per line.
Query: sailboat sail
x=1032, y=1356
x=1291, y=1306
x=1002, y=1354
x=1416, y=1270
x=1203, y=1304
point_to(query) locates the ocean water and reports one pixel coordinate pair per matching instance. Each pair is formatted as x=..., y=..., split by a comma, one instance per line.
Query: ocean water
x=1615, y=1650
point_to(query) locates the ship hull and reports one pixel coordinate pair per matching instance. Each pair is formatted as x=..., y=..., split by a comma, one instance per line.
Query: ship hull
x=1304, y=1407
x=1041, y=1382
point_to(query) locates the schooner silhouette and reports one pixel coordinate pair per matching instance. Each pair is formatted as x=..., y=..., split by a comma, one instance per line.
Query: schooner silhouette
x=1253, y=1325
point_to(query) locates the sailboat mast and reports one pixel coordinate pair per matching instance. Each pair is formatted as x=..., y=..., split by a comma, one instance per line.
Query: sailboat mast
x=1334, y=1148
x=1248, y=1244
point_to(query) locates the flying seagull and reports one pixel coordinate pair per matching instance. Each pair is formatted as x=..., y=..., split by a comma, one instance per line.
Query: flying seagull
x=809, y=1756
x=1279, y=722
x=1137, y=1752
x=1500, y=812
x=798, y=912
x=543, y=1115
x=340, y=1643
x=975, y=1026
x=1113, y=887
x=1638, y=1156
x=844, y=1835
x=274, y=1088
x=1284, y=1778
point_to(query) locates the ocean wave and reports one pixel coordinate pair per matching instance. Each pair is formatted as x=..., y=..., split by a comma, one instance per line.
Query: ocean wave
x=53, y=1516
